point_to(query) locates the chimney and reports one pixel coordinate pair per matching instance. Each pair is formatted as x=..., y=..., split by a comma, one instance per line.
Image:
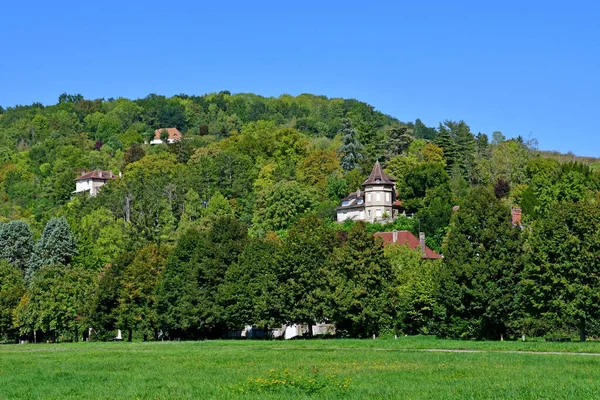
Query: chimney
x=395, y=236
x=358, y=193
x=516, y=216
x=422, y=242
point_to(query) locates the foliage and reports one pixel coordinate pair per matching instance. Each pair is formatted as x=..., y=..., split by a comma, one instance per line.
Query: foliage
x=350, y=149
x=56, y=246
x=358, y=278
x=12, y=287
x=16, y=243
x=279, y=205
x=263, y=164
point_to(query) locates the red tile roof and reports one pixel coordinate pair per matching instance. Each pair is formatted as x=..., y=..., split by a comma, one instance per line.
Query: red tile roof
x=96, y=174
x=174, y=133
x=406, y=238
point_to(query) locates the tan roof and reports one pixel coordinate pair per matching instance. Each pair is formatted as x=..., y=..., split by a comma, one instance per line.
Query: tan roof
x=378, y=176
x=174, y=133
x=96, y=174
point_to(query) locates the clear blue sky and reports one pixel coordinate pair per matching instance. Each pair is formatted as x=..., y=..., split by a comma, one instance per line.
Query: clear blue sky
x=519, y=67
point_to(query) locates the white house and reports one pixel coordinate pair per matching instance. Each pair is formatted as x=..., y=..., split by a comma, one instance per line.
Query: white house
x=376, y=201
x=92, y=181
x=173, y=135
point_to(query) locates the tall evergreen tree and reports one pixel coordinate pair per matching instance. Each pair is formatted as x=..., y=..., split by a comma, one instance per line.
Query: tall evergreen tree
x=350, y=149
x=56, y=246
x=16, y=243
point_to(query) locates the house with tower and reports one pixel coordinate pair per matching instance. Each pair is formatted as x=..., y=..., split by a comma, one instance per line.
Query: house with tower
x=376, y=201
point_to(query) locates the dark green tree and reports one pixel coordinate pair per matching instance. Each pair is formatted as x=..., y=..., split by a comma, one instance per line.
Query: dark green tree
x=302, y=262
x=351, y=148
x=12, y=287
x=249, y=295
x=481, y=268
x=561, y=283
x=358, y=285
x=56, y=246
x=16, y=243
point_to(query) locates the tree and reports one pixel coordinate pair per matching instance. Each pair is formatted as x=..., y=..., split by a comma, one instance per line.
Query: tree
x=416, y=288
x=137, y=309
x=501, y=189
x=55, y=303
x=249, y=295
x=358, y=278
x=102, y=313
x=134, y=153
x=350, y=149
x=397, y=143
x=101, y=239
x=56, y=246
x=302, y=271
x=317, y=167
x=561, y=284
x=12, y=288
x=218, y=206
x=481, y=268
x=16, y=243
x=279, y=205
x=164, y=136
x=189, y=294
x=192, y=211
x=336, y=189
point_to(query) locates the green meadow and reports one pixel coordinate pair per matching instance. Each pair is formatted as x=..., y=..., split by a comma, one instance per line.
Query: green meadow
x=406, y=368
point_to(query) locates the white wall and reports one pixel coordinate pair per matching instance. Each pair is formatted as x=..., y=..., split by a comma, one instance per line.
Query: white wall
x=357, y=214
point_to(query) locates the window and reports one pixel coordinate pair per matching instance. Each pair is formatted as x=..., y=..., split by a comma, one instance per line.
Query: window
x=345, y=203
x=378, y=196
x=369, y=197
x=369, y=212
x=378, y=212
x=359, y=201
x=387, y=197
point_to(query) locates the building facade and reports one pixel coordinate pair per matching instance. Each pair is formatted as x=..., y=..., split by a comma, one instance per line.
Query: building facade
x=375, y=202
x=173, y=135
x=91, y=182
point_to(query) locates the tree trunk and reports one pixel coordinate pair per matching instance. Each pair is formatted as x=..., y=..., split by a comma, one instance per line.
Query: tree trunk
x=582, y=330
x=129, y=334
x=310, y=329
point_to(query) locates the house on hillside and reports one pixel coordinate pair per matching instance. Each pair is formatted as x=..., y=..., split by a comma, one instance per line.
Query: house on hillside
x=375, y=202
x=91, y=182
x=173, y=135
x=406, y=238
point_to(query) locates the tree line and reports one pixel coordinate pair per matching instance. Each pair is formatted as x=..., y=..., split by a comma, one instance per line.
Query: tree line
x=212, y=233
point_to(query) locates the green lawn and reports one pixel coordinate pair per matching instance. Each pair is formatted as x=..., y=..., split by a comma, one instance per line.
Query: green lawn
x=345, y=369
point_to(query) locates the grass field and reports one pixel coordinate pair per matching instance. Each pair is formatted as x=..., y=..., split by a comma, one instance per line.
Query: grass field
x=344, y=369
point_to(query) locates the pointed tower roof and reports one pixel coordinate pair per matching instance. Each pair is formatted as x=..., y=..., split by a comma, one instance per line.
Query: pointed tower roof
x=378, y=176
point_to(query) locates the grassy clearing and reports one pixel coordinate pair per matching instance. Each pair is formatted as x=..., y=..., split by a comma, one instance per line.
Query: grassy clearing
x=348, y=369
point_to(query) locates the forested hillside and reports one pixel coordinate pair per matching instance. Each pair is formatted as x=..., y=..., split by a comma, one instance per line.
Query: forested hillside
x=235, y=224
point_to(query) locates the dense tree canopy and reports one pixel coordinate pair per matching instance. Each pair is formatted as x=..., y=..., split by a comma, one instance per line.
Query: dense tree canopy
x=234, y=225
